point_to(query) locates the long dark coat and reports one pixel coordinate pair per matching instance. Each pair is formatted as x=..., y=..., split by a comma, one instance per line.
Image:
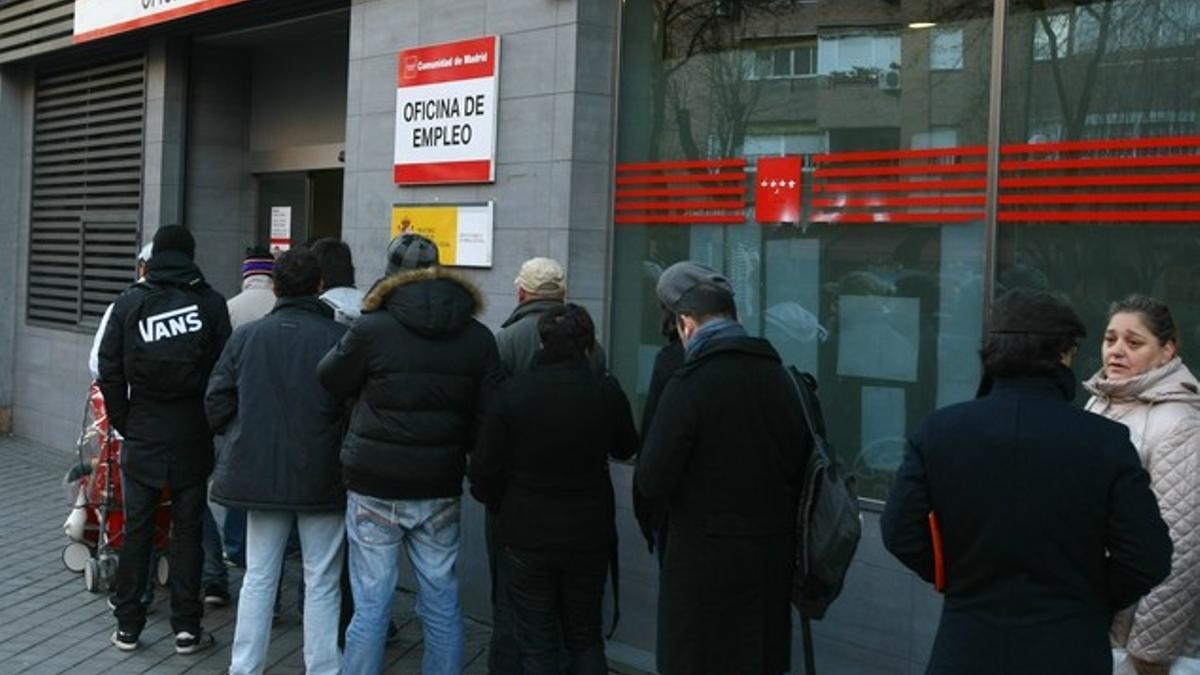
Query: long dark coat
x=725, y=452
x=1048, y=527
x=283, y=430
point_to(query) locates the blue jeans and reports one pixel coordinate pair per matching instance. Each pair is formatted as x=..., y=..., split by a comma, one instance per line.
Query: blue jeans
x=213, y=573
x=428, y=531
x=321, y=537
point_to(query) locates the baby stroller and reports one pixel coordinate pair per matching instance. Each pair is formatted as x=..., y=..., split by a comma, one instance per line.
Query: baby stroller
x=96, y=525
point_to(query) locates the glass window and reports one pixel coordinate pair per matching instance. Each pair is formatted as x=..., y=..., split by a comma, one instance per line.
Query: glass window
x=945, y=52
x=1097, y=198
x=877, y=289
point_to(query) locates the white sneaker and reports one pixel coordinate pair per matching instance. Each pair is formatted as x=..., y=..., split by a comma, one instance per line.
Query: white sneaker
x=187, y=643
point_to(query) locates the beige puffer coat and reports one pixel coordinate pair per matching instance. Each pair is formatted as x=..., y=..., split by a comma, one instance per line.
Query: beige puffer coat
x=1162, y=410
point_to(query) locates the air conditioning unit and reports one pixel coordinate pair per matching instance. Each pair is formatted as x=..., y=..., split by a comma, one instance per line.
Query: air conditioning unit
x=889, y=80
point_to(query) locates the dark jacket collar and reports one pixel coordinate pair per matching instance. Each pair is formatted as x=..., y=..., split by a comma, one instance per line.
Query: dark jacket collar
x=172, y=268
x=304, y=303
x=431, y=302
x=531, y=307
x=750, y=346
x=1058, y=384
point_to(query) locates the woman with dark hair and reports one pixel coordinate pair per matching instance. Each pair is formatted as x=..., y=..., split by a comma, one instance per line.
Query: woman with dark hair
x=1144, y=385
x=541, y=467
x=1047, y=522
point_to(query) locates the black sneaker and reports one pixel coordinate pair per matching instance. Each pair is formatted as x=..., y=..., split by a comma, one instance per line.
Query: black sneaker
x=215, y=596
x=124, y=640
x=190, y=643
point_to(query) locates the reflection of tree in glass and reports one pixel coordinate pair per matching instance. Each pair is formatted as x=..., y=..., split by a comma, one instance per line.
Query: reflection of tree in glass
x=1117, y=68
x=686, y=29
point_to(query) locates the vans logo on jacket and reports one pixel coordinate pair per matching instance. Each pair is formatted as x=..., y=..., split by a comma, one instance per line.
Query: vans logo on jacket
x=171, y=324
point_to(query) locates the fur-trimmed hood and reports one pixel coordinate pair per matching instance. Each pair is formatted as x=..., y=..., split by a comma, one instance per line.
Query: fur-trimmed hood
x=432, y=302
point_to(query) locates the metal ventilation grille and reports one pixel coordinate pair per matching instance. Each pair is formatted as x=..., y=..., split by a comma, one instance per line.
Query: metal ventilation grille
x=87, y=177
x=29, y=27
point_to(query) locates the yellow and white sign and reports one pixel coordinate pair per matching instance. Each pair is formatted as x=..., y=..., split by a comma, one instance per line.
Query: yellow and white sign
x=462, y=232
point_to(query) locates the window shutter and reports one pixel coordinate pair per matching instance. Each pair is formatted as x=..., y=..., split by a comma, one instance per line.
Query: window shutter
x=87, y=190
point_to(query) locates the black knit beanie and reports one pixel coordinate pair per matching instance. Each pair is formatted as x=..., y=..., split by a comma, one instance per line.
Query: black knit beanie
x=175, y=238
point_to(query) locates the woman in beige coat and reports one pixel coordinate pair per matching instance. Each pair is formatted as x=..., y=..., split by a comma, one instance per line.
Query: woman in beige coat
x=1144, y=385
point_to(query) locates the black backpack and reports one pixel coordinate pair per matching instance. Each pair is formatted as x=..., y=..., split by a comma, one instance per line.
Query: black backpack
x=828, y=525
x=171, y=342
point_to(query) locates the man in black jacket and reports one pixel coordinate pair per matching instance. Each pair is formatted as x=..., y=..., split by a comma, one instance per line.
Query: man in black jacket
x=1047, y=521
x=725, y=453
x=163, y=338
x=283, y=432
x=422, y=368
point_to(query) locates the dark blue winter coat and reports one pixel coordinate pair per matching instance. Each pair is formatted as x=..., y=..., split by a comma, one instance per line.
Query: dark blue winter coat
x=1048, y=527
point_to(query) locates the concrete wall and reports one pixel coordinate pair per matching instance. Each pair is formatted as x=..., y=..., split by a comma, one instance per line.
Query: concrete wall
x=220, y=195
x=11, y=97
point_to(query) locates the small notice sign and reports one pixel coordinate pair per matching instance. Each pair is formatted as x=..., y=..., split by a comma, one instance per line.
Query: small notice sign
x=462, y=232
x=281, y=229
x=446, y=101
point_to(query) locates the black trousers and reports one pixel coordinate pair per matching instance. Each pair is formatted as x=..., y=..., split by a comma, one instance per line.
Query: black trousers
x=556, y=599
x=504, y=657
x=186, y=555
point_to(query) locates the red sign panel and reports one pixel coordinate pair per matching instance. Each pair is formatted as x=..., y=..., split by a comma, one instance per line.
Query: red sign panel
x=447, y=62
x=777, y=190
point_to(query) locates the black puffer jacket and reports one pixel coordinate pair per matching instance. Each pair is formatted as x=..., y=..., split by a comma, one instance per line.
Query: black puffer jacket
x=283, y=431
x=162, y=339
x=423, y=369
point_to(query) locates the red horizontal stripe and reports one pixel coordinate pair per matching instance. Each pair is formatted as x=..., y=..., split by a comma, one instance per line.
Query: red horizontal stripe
x=1107, y=181
x=1100, y=163
x=1147, y=198
x=866, y=202
x=679, y=219
x=882, y=155
x=908, y=170
x=1102, y=145
x=448, y=50
x=683, y=192
x=475, y=171
x=675, y=206
x=889, y=217
x=1149, y=216
x=684, y=164
x=902, y=186
x=726, y=177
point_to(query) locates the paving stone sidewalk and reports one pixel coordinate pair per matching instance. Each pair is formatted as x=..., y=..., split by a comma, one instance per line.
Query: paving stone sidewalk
x=50, y=624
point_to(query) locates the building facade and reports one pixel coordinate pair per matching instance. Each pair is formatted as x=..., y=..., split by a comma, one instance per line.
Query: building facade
x=868, y=173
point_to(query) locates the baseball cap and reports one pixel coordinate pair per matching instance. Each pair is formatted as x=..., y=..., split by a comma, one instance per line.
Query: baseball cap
x=541, y=276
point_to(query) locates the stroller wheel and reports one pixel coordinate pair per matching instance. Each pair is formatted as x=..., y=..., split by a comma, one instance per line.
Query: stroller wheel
x=162, y=572
x=108, y=572
x=75, y=556
x=91, y=575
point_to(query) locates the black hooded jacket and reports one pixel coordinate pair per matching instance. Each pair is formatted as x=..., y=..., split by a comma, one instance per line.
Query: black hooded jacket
x=422, y=368
x=154, y=388
x=282, y=430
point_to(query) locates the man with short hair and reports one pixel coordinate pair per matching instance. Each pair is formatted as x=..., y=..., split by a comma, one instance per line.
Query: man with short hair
x=1045, y=514
x=280, y=464
x=337, y=279
x=162, y=341
x=726, y=454
x=541, y=286
x=422, y=368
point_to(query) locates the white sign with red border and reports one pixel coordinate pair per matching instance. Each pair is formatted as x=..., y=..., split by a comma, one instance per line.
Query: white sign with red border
x=446, y=101
x=95, y=19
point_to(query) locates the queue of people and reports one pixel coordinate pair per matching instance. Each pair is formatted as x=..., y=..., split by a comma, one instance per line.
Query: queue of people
x=353, y=418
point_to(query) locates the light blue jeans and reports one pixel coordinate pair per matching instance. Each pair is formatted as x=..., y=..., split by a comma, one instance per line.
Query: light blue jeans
x=321, y=540
x=428, y=530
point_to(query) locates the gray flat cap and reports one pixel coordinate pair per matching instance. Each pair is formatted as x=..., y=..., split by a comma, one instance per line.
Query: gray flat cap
x=678, y=282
